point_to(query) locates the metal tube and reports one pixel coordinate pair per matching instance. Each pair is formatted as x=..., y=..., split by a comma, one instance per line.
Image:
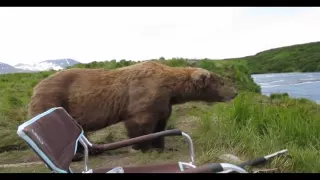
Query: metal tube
x=86, y=153
x=276, y=154
x=230, y=167
x=86, y=140
x=265, y=157
x=190, y=147
x=226, y=171
x=187, y=164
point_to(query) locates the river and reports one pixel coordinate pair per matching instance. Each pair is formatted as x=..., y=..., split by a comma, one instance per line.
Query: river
x=299, y=85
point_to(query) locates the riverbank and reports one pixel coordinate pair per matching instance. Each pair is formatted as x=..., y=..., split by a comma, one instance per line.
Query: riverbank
x=250, y=126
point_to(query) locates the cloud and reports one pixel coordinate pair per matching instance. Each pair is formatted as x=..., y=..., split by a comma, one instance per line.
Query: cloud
x=31, y=34
x=261, y=31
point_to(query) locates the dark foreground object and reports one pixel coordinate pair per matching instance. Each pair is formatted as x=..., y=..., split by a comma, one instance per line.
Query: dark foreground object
x=55, y=136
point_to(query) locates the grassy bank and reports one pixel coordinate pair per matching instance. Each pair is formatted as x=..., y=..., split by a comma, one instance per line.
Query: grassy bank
x=295, y=58
x=252, y=125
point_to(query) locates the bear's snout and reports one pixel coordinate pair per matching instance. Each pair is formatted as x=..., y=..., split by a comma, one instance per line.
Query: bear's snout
x=229, y=93
x=235, y=93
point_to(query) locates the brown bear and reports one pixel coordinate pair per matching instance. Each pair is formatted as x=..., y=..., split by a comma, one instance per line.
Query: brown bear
x=139, y=95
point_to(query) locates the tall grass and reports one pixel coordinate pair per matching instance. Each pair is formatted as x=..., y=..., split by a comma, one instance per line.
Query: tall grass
x=255, y=126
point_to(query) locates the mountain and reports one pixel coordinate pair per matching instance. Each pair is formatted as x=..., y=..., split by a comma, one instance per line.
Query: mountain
x=6, y=68
x=57, y=64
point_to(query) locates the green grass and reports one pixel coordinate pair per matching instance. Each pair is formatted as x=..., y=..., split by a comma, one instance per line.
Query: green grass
x=15, y=90
x=250, y=126
x=254, y=126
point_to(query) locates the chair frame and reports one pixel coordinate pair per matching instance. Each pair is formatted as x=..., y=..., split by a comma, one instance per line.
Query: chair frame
x=180, y=167
x=87, y=144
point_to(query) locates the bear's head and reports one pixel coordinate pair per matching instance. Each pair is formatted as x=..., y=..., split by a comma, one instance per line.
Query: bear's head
x=211, y=87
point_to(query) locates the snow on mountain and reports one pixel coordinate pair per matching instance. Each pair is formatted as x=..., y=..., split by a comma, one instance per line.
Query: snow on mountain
x=38, y=66
x=57, y=64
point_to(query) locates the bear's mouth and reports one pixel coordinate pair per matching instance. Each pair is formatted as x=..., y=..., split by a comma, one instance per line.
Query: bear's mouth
x=230, y=98
x=210, y=103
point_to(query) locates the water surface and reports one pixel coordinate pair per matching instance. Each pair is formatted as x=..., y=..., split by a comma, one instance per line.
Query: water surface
x=300, y=85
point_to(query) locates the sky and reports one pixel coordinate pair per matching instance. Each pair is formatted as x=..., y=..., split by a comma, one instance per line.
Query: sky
x=32, y=34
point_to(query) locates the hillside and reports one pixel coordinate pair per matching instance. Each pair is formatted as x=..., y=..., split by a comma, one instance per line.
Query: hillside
x=296, y=58
x=252, y=125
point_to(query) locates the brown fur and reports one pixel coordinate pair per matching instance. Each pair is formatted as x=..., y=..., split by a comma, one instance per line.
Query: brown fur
x=139, y=95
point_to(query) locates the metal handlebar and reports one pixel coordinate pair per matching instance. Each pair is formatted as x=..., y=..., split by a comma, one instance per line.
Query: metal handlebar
x=232, y=167
x=258, y=161
x=228, y=167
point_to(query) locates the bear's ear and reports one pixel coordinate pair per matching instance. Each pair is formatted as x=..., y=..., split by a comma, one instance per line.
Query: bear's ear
x=201, y=77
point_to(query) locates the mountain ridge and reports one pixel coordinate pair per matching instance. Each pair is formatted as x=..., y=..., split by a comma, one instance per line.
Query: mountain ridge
x=302, y=57
x=52, y=64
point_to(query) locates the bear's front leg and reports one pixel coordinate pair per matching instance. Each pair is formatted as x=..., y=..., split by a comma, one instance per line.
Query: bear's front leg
x=140, y=125
x=159, y=143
